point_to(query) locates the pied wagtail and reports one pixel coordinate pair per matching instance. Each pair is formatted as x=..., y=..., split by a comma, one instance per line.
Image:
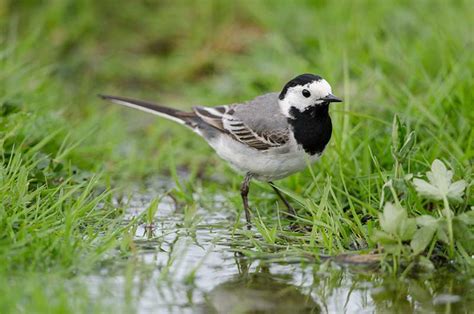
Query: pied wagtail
x=267, y=138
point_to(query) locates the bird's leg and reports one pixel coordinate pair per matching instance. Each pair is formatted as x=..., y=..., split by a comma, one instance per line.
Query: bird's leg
x=244, y=192
x=291, y=210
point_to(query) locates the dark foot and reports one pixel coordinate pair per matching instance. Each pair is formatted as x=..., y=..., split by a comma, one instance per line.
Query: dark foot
x=299, y=228
x=291, y=210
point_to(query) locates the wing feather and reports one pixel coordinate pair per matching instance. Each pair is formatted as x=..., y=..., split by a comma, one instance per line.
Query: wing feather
x=222, y=118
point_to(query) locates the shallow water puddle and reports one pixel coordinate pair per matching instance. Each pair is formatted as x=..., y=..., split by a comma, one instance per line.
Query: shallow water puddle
x=195, y=270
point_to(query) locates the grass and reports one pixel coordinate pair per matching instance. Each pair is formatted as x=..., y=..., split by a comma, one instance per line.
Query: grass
x=64, y=151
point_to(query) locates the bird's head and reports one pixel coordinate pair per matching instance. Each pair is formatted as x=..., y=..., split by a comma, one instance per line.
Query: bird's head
x=305, y=91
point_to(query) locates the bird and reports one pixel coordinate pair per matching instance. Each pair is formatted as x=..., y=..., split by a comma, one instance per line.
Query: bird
x=267, y=138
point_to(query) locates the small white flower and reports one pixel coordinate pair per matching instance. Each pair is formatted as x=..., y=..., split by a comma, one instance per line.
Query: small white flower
x=439, y=185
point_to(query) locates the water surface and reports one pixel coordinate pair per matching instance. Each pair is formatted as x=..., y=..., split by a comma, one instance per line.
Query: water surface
x=190, y=265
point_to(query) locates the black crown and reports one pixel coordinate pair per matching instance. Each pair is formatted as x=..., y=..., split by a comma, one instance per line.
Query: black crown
x=302, y=79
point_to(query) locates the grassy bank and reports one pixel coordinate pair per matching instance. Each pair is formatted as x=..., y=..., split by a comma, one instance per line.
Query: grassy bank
x=65, y=153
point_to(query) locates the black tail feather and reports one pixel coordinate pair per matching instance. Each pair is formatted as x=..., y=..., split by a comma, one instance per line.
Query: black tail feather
x=147, y=106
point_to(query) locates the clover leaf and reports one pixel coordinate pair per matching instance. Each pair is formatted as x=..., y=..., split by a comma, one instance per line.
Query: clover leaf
x=439, y=185
x=394, y=220
x=425, y=234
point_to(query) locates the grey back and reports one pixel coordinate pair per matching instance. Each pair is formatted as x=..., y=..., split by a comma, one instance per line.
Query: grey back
x=261, y=114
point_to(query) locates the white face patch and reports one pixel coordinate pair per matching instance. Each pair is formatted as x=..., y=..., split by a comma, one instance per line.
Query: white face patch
x=295, y=97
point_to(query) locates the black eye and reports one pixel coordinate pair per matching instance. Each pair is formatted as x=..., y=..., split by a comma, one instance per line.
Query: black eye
x=306, y=93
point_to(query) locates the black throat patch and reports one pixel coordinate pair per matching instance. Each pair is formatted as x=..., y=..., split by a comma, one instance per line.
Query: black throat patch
x=312, y=127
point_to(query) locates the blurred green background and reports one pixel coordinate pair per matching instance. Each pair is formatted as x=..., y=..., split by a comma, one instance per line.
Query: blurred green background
x=381, y=57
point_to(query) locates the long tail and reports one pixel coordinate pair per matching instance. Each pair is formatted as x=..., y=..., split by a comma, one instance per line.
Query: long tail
x=185, y=118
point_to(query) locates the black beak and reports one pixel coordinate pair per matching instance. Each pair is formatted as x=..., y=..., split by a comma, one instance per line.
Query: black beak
x=331, y=98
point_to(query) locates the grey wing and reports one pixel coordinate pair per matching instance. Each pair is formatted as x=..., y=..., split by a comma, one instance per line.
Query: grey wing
x=257, y=123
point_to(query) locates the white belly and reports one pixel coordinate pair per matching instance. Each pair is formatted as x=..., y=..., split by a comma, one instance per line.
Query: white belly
x=272, y=164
